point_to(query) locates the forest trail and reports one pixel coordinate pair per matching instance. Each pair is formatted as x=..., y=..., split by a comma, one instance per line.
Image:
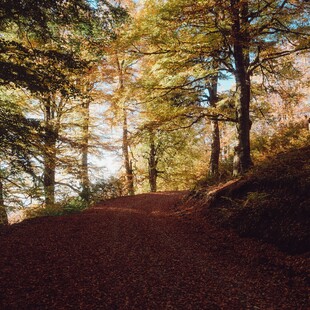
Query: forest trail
x=140, y=253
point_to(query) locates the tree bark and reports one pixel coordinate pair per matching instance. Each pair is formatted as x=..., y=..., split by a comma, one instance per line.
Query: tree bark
x=215, y=133
x=215, y=149
x=3, y=215
x=49, y=154
x=129, y=179
x=127, y=161
x=152, y=162
x=243, y=84
x=85, y=193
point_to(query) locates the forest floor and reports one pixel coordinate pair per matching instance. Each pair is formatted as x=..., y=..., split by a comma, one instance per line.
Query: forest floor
x=144, y=252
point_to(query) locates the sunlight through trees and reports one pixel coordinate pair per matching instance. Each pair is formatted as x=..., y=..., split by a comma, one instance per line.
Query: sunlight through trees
x=150, y=72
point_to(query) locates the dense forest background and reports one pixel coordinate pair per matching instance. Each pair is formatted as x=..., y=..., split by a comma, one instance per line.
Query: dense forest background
x=177, y=91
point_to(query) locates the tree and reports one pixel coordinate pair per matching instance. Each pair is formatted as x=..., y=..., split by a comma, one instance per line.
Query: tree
x=168, y=159
x=127, y=160
x=85, y=183
x=121, y=74
x=183, y=65
x=212, y=86
x=41, y=52
x=51, y=133
x=3, y=215
x=152, y=163
x=88, y=90
x=248, y=33
x=121, y=67
x=168, y=145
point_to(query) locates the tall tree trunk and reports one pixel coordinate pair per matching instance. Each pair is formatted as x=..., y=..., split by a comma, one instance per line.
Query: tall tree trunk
x=215, y=149
x=152, y=162
x=51, y=133
x=3, y=215
x=215, y=133
x=85, y=194
x=127, y=161
x=243, y=84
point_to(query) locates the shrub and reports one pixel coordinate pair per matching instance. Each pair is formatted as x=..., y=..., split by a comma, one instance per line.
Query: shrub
x=107, y=189
x=68, y=206
x=285, y=138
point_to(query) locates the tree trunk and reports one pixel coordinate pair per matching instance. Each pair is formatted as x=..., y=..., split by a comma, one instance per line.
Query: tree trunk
x=127, y=161
x=243, y=84
x=49, y=168
x=129, y=180
x=3, y=215
x=215, y=149
x=51, y=133
x=152, y=161
x=85, y=193
x=215, y=133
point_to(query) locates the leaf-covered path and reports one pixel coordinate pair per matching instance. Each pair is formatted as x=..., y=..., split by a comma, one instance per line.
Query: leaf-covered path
x=139, y=253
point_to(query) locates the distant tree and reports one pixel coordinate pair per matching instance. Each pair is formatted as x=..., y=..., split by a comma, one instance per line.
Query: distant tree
x=121, y=74
x=183, y=66
x=121, y=67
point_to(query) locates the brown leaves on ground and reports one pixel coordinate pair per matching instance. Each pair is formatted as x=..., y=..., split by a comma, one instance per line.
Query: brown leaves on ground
x=140, y=252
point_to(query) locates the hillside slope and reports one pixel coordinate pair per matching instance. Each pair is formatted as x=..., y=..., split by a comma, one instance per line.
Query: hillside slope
x=271, y=203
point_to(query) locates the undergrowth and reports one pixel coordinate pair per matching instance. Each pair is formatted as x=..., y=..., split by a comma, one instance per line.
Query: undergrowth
x=272, y=203
x=69, y=206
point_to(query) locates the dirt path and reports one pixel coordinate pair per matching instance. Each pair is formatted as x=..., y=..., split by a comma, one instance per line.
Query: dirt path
x=138, y=253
